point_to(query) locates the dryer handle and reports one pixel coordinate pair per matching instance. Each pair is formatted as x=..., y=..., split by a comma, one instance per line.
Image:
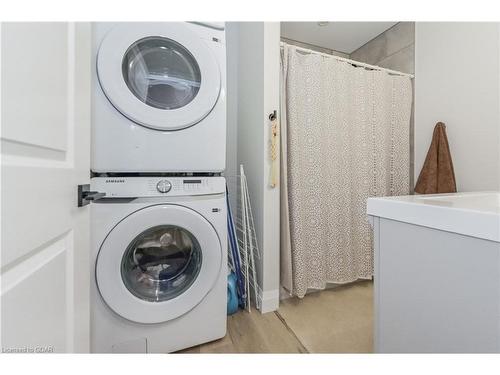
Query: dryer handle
x=85, y=196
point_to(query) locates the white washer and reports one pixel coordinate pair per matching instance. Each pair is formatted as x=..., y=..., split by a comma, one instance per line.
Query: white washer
x=159, y=251
x=159, y=97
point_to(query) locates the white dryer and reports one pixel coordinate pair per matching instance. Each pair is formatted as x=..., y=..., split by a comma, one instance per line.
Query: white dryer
x=159, y=251
x=159, y=97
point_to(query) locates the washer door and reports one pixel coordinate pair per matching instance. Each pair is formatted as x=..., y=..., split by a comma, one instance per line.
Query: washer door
x=158, y=263
x=159, y=75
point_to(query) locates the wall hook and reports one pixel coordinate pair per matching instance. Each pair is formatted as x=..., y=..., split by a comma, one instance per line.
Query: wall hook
x=273, y=116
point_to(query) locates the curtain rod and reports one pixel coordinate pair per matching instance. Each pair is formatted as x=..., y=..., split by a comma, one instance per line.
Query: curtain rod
x=349, y=61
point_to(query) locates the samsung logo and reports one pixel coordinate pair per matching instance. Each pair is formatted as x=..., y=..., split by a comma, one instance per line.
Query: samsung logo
x=115, y=181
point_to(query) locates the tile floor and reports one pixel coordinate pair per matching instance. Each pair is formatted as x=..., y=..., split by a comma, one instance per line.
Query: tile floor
x=338, y=320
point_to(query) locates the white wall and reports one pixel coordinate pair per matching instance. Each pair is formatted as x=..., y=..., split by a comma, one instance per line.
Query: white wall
x=232, y=110
x=258, y=95
x=457, y=82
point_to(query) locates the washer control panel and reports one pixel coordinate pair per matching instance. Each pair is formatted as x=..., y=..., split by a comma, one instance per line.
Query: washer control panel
x=135, y=187
x=163, y=186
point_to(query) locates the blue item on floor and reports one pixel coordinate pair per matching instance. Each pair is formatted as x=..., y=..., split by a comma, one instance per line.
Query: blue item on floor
x=240, y=284
x=232, y=294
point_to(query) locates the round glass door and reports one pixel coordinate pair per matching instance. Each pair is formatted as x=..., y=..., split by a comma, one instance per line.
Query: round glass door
x=158, y=263
x=161, y=263
x=161, y=73
x=162, y=76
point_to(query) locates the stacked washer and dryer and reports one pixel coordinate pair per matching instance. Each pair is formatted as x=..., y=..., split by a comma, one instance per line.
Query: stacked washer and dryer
x=158, y=151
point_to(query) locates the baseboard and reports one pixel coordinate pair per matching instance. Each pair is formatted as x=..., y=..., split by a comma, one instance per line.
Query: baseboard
x=269, y=300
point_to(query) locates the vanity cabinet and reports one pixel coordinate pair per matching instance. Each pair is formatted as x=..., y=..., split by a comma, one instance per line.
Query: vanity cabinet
x=436, y=273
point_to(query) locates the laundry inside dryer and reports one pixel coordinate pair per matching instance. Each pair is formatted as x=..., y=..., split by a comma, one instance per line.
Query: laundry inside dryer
x=161, y=263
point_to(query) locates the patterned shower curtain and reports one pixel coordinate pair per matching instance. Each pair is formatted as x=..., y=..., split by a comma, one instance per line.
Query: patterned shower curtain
x=345, y=137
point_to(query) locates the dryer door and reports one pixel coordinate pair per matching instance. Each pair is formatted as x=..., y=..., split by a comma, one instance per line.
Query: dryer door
x=158, y=263
x=160, y=75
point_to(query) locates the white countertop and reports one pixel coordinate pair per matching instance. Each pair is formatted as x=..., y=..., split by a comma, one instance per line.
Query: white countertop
x=474, y=214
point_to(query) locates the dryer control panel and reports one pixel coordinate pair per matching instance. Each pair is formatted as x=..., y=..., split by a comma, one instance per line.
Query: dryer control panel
x=136, y=187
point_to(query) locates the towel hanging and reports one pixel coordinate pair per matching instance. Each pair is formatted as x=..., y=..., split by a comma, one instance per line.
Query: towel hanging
x=437, y=174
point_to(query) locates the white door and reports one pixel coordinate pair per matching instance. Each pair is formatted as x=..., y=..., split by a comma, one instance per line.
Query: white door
x=45, y=109
x=160, y=75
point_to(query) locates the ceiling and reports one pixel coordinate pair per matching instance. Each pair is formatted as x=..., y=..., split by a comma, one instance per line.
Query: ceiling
x=340, y=36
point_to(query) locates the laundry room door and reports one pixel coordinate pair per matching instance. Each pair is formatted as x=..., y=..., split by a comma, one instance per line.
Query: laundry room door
x=45, y=135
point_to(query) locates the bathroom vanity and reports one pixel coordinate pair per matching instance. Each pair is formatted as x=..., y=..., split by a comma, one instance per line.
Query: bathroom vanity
x=437, y=272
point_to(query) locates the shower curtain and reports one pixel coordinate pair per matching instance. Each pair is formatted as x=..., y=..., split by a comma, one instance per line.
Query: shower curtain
x=345, y=137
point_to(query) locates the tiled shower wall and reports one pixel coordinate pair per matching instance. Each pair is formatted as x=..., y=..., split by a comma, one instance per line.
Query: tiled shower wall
x=394, y=49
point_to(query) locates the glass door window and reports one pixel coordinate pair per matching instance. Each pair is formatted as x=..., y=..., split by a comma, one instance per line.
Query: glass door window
x=161, y=263
x=161, y=73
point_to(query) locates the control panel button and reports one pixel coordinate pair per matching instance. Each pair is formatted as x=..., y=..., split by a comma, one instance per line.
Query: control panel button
x=163, y=186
